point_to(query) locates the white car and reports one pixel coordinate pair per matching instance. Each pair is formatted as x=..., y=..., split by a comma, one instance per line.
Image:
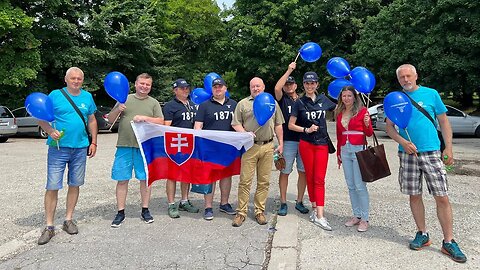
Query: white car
x=373, y=111
x=8, y=124
x=462, y=123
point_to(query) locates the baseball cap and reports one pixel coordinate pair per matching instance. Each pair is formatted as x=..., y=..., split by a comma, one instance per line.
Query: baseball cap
x=290, y=79
x=218, y=81
x=310, y=76
x=180, y=83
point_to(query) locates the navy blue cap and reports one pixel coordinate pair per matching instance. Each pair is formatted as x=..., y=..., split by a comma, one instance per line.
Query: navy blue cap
x=310, y=77
x=218, y=81
x=290, y=79
x=180, y=83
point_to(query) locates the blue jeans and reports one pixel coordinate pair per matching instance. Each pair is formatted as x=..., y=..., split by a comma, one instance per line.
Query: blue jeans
x=58, y=159
x=357, y=189
x=290, y=153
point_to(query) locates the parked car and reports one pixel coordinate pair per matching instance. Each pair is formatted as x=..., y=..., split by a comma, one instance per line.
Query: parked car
x=102, y=119
x=8, y=124
x=373, y=111
x=462, y=123
x=27, y=124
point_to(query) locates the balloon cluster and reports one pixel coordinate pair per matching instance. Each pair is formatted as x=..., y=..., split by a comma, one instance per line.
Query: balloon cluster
x=361, y=78
x=199, y=95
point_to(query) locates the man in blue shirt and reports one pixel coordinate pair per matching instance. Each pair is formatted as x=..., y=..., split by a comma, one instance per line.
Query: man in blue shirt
x=68, y=145
x=420, y=156
x=216, y=114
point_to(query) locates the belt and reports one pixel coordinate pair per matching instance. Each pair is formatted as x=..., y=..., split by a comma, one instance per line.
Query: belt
x=263, y=142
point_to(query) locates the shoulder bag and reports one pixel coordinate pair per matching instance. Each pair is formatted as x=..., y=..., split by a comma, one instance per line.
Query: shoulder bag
x=373, y=161
x=79, y=114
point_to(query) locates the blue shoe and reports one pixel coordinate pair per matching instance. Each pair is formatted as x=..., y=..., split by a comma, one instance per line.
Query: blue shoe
x=453, y=251
x=301, y=208
x=420, y=241
x=147, y=217
x=208, y=214
x=283, y=209
x=227, y=208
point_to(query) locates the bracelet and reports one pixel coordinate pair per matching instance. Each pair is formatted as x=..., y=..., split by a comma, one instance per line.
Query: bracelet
x=94, y=144
x=304, y=130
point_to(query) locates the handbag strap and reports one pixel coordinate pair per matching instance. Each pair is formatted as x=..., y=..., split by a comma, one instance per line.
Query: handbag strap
x=375, y=141
x=76, y=108
x=422, y=110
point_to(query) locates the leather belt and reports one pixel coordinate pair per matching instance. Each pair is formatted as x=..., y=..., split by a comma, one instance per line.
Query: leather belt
x=263, y=142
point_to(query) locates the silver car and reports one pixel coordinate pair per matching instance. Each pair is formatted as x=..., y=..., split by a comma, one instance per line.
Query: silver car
x=8, y=125
x=27, y=124
x=462, y=123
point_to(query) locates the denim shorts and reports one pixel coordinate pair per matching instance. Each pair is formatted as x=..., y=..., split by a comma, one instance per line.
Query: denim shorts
x=290, y=153
x=413, y=169
x=57, y=161
x=126, y=160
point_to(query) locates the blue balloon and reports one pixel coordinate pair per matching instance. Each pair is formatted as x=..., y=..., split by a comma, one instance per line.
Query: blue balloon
x=116, y=85
x=338, y=67
x=207, y=81
x=336, y=86
x=310, y=52
x=227, y=94
x=40, y=106
x=363, y=80
x=398, y=108
x=199, y=95
x=263, y=107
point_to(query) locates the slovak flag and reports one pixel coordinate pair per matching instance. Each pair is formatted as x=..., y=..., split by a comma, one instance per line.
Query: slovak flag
x=188, y=155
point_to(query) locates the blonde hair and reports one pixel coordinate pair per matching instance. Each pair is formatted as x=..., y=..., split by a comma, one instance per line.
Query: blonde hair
x=357, y=102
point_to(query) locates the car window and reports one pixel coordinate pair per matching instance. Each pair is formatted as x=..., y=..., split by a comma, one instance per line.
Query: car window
x=454, y=112
x=22, y=112
x=4, y=113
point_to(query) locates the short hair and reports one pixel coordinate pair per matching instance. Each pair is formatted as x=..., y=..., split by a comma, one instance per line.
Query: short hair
x=73, y=69
x=144, y=76
x=404, y=66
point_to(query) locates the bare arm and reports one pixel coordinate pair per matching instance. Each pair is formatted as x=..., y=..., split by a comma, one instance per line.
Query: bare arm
x=294, y=127
x=408, y=146
x=279, y=133
x=447, y=137
x=115, y=112
x=281, y=82
x=238, y=128
x=143, y=118
x=93, y=128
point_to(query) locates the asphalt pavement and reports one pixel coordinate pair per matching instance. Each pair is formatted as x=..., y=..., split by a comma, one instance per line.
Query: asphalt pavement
x=190, y=242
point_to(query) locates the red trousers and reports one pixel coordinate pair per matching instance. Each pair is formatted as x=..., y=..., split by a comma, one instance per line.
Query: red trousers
x=315, y=160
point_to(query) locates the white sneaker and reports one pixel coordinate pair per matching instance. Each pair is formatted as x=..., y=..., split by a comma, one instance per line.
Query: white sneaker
x=322, y=223
x=313, y=215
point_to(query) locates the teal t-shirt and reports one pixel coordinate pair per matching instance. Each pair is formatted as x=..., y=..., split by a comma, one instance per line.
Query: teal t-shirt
x=67, y=119
x=421, y=130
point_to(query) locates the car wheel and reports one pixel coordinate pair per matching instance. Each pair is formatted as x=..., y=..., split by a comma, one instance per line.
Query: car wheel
x=477, y=132
x=3, y=139
x=42, y=134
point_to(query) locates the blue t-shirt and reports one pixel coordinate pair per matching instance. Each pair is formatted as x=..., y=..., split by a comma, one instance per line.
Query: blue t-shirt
x=216, y=116
x=310, y=112
x=421, y=130
x=67, y=119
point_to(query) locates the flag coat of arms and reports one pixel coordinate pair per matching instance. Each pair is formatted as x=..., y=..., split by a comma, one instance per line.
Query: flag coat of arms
x=188, y=155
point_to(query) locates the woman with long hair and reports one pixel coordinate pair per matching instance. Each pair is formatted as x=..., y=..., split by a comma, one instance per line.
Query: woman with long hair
x=310, y=110
x=353, y=124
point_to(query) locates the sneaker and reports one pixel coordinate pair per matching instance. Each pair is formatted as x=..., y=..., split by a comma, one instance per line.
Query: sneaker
x=173, y=210
x=362, y=226
x=147, y=217
x=420, y=241
x=322, y=223
x=283, y=209
x=227, y=208
x=188, y=206
x=352, y=222
x=46, y=236
x=261, y=219
x=238, y=220
x=301, y=208
x=208, y=215
x=453, y=251
x=118, y=220
x=313, y=215
x=70, y=227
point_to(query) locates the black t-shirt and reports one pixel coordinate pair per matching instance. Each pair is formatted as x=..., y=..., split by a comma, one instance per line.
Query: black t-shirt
x=310, y=112
x=216, y=116
x=286, y=104
x=181, y=115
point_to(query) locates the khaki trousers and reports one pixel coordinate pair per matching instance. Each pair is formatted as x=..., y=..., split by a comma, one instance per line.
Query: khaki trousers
x=259, y=158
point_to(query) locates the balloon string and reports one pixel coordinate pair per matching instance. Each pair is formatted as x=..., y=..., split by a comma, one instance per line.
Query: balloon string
x=110, y=129
x=368, y=99
x=408, y=135
x=297, y=57
x=58, y=141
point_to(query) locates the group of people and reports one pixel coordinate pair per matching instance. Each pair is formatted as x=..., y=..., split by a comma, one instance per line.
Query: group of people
x=300, y=127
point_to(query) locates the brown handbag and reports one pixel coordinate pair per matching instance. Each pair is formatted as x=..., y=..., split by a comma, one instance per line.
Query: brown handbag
x=373, y=161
